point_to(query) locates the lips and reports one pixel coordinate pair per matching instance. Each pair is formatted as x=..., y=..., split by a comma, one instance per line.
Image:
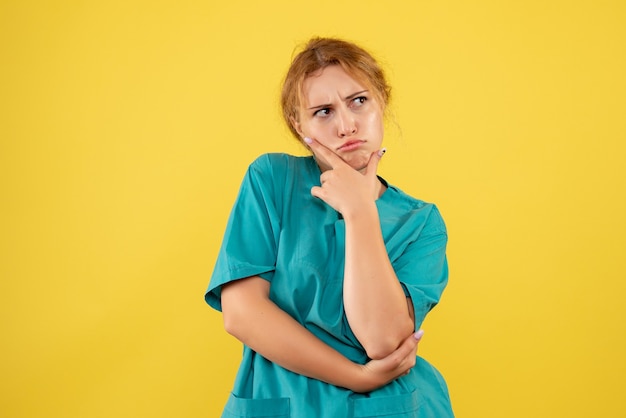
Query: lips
x=351, y=145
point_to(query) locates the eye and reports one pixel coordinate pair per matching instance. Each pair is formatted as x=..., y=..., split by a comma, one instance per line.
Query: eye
x=359, y=101
x=322, y=113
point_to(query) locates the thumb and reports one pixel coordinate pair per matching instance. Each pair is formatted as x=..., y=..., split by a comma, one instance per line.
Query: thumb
x=372, y=165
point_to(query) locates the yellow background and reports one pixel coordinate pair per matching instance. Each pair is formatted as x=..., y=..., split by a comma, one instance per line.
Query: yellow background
x=125, y=130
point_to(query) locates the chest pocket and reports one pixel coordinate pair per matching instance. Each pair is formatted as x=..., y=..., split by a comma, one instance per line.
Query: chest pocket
x=397, y=406
x=256, y=408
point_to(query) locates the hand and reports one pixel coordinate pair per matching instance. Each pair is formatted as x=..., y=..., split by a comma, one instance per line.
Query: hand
x=377, y=373
x=342, y=187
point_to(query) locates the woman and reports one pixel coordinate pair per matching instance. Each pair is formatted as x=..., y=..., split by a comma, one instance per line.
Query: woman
x=326, y=271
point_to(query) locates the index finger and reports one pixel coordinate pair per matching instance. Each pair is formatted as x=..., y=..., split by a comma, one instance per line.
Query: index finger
x=331, y=158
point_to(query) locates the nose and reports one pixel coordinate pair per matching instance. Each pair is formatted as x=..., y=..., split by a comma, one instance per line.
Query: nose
x=346, y=124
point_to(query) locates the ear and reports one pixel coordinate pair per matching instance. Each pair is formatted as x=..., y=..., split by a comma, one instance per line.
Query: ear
x=297, y=126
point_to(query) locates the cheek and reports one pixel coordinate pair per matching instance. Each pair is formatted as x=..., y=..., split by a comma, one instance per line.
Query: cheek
x=375, y=124
x=318, y=131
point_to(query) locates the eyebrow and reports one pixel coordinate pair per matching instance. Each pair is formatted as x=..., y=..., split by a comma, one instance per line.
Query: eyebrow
x=352, y=96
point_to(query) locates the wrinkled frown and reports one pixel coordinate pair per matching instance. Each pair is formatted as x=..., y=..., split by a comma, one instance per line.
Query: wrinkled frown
x=342, y=114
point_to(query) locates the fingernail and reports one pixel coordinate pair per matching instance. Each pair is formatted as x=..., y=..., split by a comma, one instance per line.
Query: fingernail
x=382, y=152
x=418, y=335
x=308, y=140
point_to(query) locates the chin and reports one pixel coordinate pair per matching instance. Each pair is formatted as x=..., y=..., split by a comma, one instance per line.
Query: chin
x=359, y=164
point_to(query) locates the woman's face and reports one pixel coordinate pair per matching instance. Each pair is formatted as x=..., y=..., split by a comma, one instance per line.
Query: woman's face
x=341, y=114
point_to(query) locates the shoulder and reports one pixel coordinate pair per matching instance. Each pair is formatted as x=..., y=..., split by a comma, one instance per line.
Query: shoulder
x=277, y=174
x=277, y=163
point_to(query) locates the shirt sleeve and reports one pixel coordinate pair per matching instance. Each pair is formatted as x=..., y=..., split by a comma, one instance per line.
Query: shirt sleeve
x=251, y=237
x=422, y=269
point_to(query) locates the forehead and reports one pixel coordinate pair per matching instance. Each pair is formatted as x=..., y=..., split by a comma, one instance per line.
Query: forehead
x=328, y=83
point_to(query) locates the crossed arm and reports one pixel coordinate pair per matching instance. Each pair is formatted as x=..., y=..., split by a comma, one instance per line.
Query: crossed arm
x=374, y=300
x=377, y=310
x=251, y=317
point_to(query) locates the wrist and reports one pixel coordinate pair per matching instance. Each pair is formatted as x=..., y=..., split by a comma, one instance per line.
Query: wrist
x=365, y=213
x=362, y=380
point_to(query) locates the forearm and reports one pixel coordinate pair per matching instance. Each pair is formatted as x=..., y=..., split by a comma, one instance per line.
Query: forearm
x=251, y=317
x=375, y=304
